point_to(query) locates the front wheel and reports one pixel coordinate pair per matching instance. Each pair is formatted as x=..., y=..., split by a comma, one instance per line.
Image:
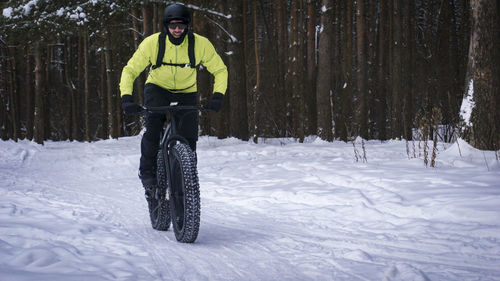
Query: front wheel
x=159, y=210
x=184, y=193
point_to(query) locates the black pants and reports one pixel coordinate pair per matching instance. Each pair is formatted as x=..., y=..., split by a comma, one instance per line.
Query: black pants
x=157, y=96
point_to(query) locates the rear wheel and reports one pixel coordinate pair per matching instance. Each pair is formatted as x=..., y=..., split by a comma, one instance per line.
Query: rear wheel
x=184, y=193
x=159, y=210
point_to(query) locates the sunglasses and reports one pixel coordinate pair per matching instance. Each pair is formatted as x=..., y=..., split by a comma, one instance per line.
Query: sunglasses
x=177, y=25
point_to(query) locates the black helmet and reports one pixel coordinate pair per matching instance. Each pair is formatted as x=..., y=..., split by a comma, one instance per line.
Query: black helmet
x=176, y=12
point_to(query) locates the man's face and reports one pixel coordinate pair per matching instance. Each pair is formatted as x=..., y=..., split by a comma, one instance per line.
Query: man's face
x=176, y=28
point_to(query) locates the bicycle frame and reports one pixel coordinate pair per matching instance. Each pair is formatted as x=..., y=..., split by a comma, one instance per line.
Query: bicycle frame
x=178, y=182
x=171, y=136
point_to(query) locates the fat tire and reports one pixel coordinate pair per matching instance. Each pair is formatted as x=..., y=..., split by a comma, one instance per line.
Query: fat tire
x=186, y=218
x=159, y=207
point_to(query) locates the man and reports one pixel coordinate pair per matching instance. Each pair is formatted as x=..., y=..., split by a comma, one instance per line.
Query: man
x=171, y=79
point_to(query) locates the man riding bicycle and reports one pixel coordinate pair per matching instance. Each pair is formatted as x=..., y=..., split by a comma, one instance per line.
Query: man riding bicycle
x=174, y=55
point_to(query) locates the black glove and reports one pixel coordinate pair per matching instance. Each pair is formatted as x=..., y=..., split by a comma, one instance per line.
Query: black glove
x=130, y=107
x=215, y=103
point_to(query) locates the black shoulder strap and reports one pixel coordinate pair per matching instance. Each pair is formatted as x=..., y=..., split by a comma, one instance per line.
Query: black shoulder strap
x=192, y=60
x=161, y=49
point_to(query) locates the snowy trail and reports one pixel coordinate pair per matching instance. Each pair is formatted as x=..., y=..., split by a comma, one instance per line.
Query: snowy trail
x=75, y=211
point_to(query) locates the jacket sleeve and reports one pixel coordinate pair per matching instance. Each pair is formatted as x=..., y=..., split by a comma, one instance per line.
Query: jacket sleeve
x=214, y=64
x=139, y=61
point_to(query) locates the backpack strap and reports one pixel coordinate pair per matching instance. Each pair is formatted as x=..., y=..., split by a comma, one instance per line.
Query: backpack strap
x=192, y=61
x=161, y=52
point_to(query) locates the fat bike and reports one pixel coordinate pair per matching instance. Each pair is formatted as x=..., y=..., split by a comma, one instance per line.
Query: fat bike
x=176, y=199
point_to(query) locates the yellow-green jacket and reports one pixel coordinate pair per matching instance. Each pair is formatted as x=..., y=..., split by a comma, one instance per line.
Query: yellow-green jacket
x=174, y=78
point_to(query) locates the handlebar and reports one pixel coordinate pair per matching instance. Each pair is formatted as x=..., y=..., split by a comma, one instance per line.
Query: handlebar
x=173, y=108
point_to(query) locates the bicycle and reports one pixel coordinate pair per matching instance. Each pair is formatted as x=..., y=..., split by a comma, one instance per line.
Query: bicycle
x=176, y=199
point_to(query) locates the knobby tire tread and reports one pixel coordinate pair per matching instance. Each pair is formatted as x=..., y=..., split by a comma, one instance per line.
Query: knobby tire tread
x=159, y=210
x=186, y=158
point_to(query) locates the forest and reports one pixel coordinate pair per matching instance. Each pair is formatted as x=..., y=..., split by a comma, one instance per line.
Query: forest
x=375, y=69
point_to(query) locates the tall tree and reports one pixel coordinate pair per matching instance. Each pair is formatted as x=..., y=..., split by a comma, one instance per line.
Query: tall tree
x=237, y=90
x=28, y=94
x=396, y=59
x=380, y=106
x=295, y=74
x=14, y=99
x=254, y=99
x=361, y=71
x=39, y=123
x=483, y=75
x=310, y=79
x=112, y=125
x=324, y=83
x=86, y=90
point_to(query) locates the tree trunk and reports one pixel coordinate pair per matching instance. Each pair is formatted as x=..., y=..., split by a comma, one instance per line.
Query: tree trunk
x=324, y=89
x=256, y=89
x=381, y=104
x=294, y=77
x=139, y=82
x=310, y=88
x=86, y=85
x=112, y=128
x=39, y=122
x=281, y=59
x=13, y=96
x=237, y=90
x=70, y=117
x=361, y=114
x=135, y=26
x=47, y=95
x=396, y=70
x=103, y=97
x=483, y=75
x=347, y=84
x=3, y=88
x=222, y=118
x=29, y=96
x=406, y=79
x=146, y=21
x=371, y=65
x=79, y=91
x=156, y=20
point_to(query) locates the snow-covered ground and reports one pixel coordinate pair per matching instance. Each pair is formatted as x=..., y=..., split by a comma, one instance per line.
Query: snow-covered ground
x=278, y=210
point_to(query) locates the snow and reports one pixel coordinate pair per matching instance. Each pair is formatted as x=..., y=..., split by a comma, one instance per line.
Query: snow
x=468, y=104
x=277, y=210
x=7, y=12
x=60, y=12
x=28, y=6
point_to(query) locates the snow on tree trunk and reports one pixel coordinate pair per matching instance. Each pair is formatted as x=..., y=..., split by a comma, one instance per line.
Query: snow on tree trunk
x=467, y=104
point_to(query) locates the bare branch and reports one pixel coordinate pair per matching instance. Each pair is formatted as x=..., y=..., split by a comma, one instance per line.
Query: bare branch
x=136, y=18
x=203, y=10
x=141, y=34
x=232, y=37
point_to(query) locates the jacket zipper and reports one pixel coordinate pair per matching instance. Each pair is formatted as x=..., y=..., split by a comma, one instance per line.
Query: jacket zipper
x=175, y=71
